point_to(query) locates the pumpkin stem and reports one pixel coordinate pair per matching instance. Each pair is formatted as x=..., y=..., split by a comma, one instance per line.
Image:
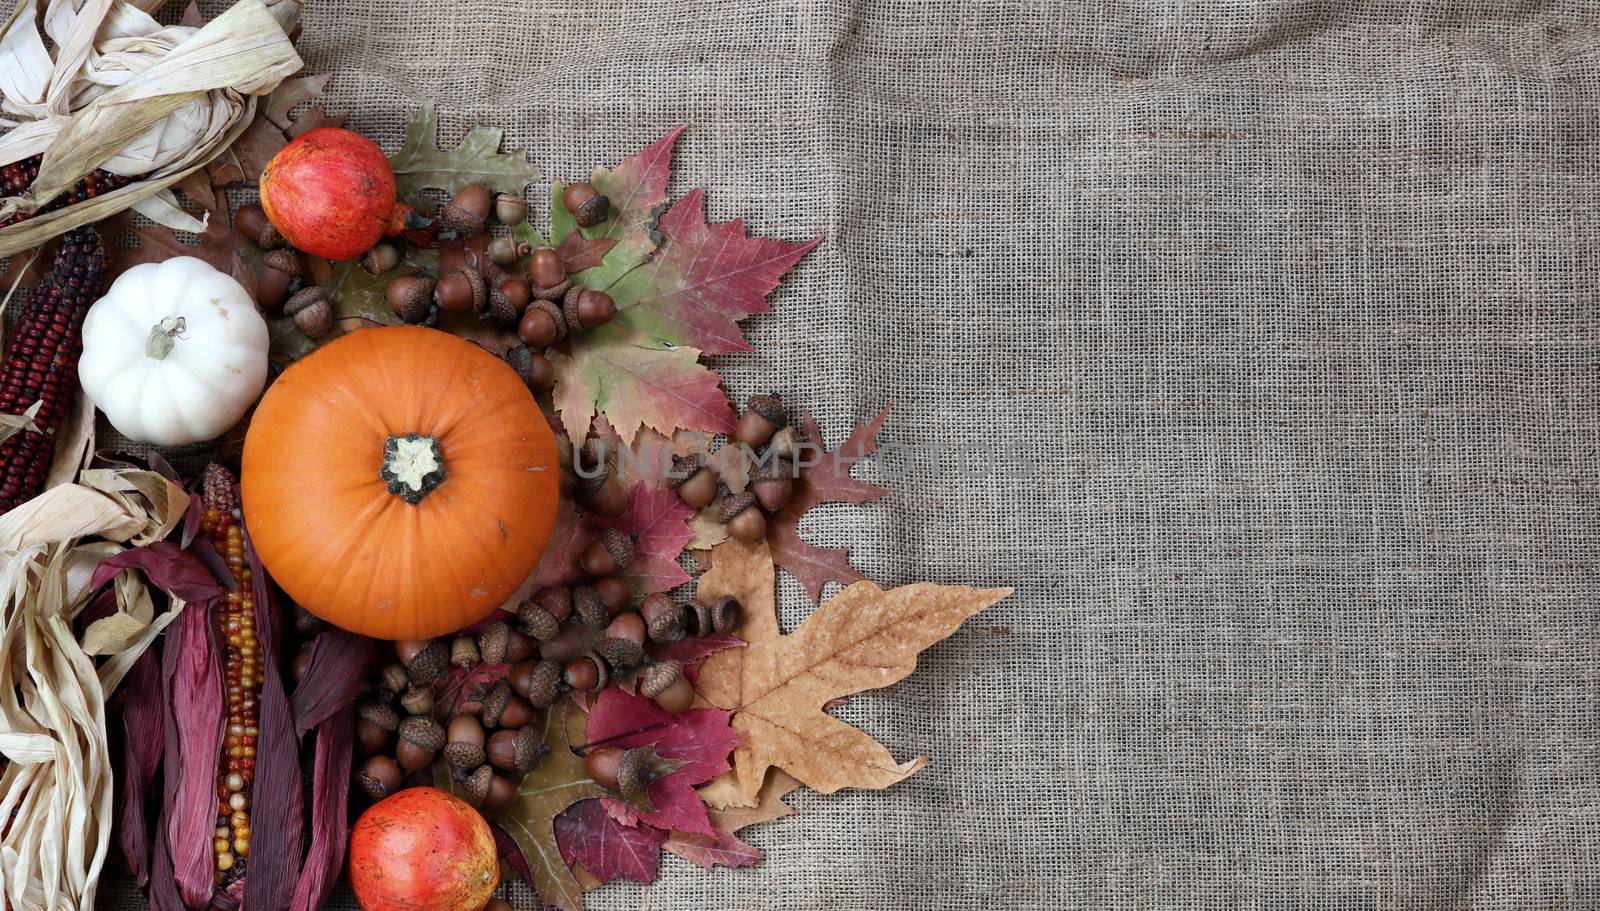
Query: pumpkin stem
x=159, y=345
x=413, y=466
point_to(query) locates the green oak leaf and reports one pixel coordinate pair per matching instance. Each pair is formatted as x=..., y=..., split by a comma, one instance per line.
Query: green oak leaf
x=420, y=163
x=636, y=381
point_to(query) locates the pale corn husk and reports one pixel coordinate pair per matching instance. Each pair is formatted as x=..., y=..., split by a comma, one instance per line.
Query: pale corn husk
x=124, y=93
x=52, y=697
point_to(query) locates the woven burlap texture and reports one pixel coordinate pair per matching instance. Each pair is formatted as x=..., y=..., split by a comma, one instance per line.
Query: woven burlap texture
x=1256, y=344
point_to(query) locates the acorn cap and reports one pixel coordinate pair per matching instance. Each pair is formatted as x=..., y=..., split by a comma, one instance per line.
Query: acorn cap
x=684, y=467
x=770, y=407
x=621, y=654
x=494, y=702
x=492, y=641
x=463, y=755
x=417, y=700
x=305, y=297
x=785, y=443
x=602, y=669
x=659, y=678
x=663, y=621
x=380, y=715
x=700, y=620
x=429, y=663
x=619, y=544
x=464, y=652
x=553, y=294
x=284, y=261
x=527, y=749
x=555, y=314
x=545, y=683
x=422, y=731
x=468, y=211
x=480, y=291
x=589, y=486
x=373, y=787
x=775, y=469
x=639, y=768
x=501, y=307
x=726, y=614
x=733, y=504
x=537, y=622
x=476, y=785
x=590, y=607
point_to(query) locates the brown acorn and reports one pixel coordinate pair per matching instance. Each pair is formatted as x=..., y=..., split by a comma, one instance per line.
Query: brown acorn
x=312, y=312
x=489, y=792
x=586, y=309
x=462, y=291
x=380, y=716
x=585, y=674
x=510, y=209
x=762, y=417
x=519, y=647
x=666, y=684
x=380, y=259
x=429, y=663
x=589, y=607
x=639, y=768
x=546, y=269
x=464, y=741
x=745, y=522
x=421, y=738
x=602, y=765
x=393, y=678
x=556, y=600
x=535, y=370
x=492, y=641
x=515, y=750
x=503, y=251
x=494, y=703
x=663, y=618
x=285, y=260
x=253, y=225
x=774, y=486
x=542, y=325
x=629, y=626
x=614, y=592
x=417, y=700
x=602, y=494
x=537, y=622
x=272, y=289
x=380, y=776
x=621, y=654
x=695, y=482
x=607, y=554
x=468, y=212
x=410, y=297
x=588, y=205
x=518, y=712
x=536, y=681
x=464, y=652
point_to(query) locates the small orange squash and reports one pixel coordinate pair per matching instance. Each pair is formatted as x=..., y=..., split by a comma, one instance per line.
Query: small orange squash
x=399, y=482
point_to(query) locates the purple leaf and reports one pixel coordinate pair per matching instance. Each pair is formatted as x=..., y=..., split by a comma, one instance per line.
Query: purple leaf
x=707, y=851
x=340, y=662
x=141, y=722
x=702, y=738
x=506, y=846
x=588, y=835
x=195, y=673
x=168, y=567
x=330, y=790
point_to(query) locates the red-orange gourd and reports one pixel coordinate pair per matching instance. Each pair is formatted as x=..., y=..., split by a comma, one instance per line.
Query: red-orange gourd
x=399, y=482
x=331, y=193
x=422, y=850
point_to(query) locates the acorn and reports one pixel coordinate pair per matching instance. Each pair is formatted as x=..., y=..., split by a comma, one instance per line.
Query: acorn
x=508, y=299
x=393, y=678
x=519, y=647
x=417, y=700
x=639, y=768
x=762, y=417
x=546, y=269
x=468, y=211
x=272, y=289
x=774, y=486
x=602, y=765
x=410, y=297
x=536, y=681
x=370, y=738
x=464, y=742
x=614, y=592
x=503, y=251
x=421, y=738
x=607, y=554
x=663, y=618
x=629, y=626
x=492, y=640
x=695, y=482
x=312, y=312
x=537, y=622
x=464, y=652
x=494, y=703
x=381, y=258
x=584, y=674
x=556, y=600
x=786, y=442
x=284, y=260
x=745, y=522
x=489, y=792
x=518, y=712
x=666, y=684
x=253, y=225
x=535, y=370
x=461, y=291
x=380, y=776
x=589, y=607
x=510, y=209
x=542, y=325
x=601, y=494
x=407, y=649
x=429, y=663
x=515, y=750
x=558, y=293
x=588, y=205
x=379, y=716
x=586, y=309
x=621, y=654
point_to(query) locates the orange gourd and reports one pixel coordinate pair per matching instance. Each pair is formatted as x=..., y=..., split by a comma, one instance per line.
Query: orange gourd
x=399, y=482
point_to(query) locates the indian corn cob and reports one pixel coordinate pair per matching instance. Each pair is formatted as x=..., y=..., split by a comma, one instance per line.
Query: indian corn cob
x=41, y=361
x=242, y=679
x=18, y=176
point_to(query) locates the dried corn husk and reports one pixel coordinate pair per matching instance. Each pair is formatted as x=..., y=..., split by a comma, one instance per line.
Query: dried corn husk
x=120, y=91
x=52, y=696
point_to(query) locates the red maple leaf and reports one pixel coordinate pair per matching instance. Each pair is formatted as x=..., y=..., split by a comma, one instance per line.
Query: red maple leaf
x=636, y=381
x=828, y=480
x=658, y=521
x=461, y=688
x=690, y=652
x=588, y=835
x=702, y=738
x=703, y=280
x=578, y=253
x=636, y=188
x=559, y=563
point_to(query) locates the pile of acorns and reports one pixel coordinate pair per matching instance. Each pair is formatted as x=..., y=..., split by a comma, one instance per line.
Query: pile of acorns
x=538, y=297
x=562, y=640
x=763, y=424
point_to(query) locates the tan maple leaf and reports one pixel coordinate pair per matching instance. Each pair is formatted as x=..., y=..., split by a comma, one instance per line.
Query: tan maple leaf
x=862, y=638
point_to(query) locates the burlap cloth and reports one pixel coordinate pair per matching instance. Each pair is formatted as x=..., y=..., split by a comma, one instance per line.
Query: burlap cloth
x=1256, y=344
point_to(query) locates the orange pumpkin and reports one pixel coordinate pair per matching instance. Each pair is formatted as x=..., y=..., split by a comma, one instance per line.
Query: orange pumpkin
x=422, y=850
x=399, y=482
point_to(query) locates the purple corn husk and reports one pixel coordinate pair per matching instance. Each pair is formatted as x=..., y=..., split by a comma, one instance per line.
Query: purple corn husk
x=340, y=663
x=168, y=567
x=277, y=819
x=195, y=679
x=142, y=724
x=330, y=793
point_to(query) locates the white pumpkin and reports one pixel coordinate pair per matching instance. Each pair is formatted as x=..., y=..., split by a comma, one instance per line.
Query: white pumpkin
x=174, y=353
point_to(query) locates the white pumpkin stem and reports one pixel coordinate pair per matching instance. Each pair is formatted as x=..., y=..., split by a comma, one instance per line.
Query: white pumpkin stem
x=160, y=342
x=413, y=465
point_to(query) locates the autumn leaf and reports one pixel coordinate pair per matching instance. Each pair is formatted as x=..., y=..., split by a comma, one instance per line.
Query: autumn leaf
x=315, y=118
x=558, y=565
x=700, y=738
x=556, y=783
x=824, y=478
x=703, y=280
x=608, y=849
x=420, y=164
x=656, y=519
x=357, y=293
x=218, y=246
x=635, y=381
x=691, y=652
x=725, y=848
x=862, y=638
x=637, y=189
x=578, y=253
